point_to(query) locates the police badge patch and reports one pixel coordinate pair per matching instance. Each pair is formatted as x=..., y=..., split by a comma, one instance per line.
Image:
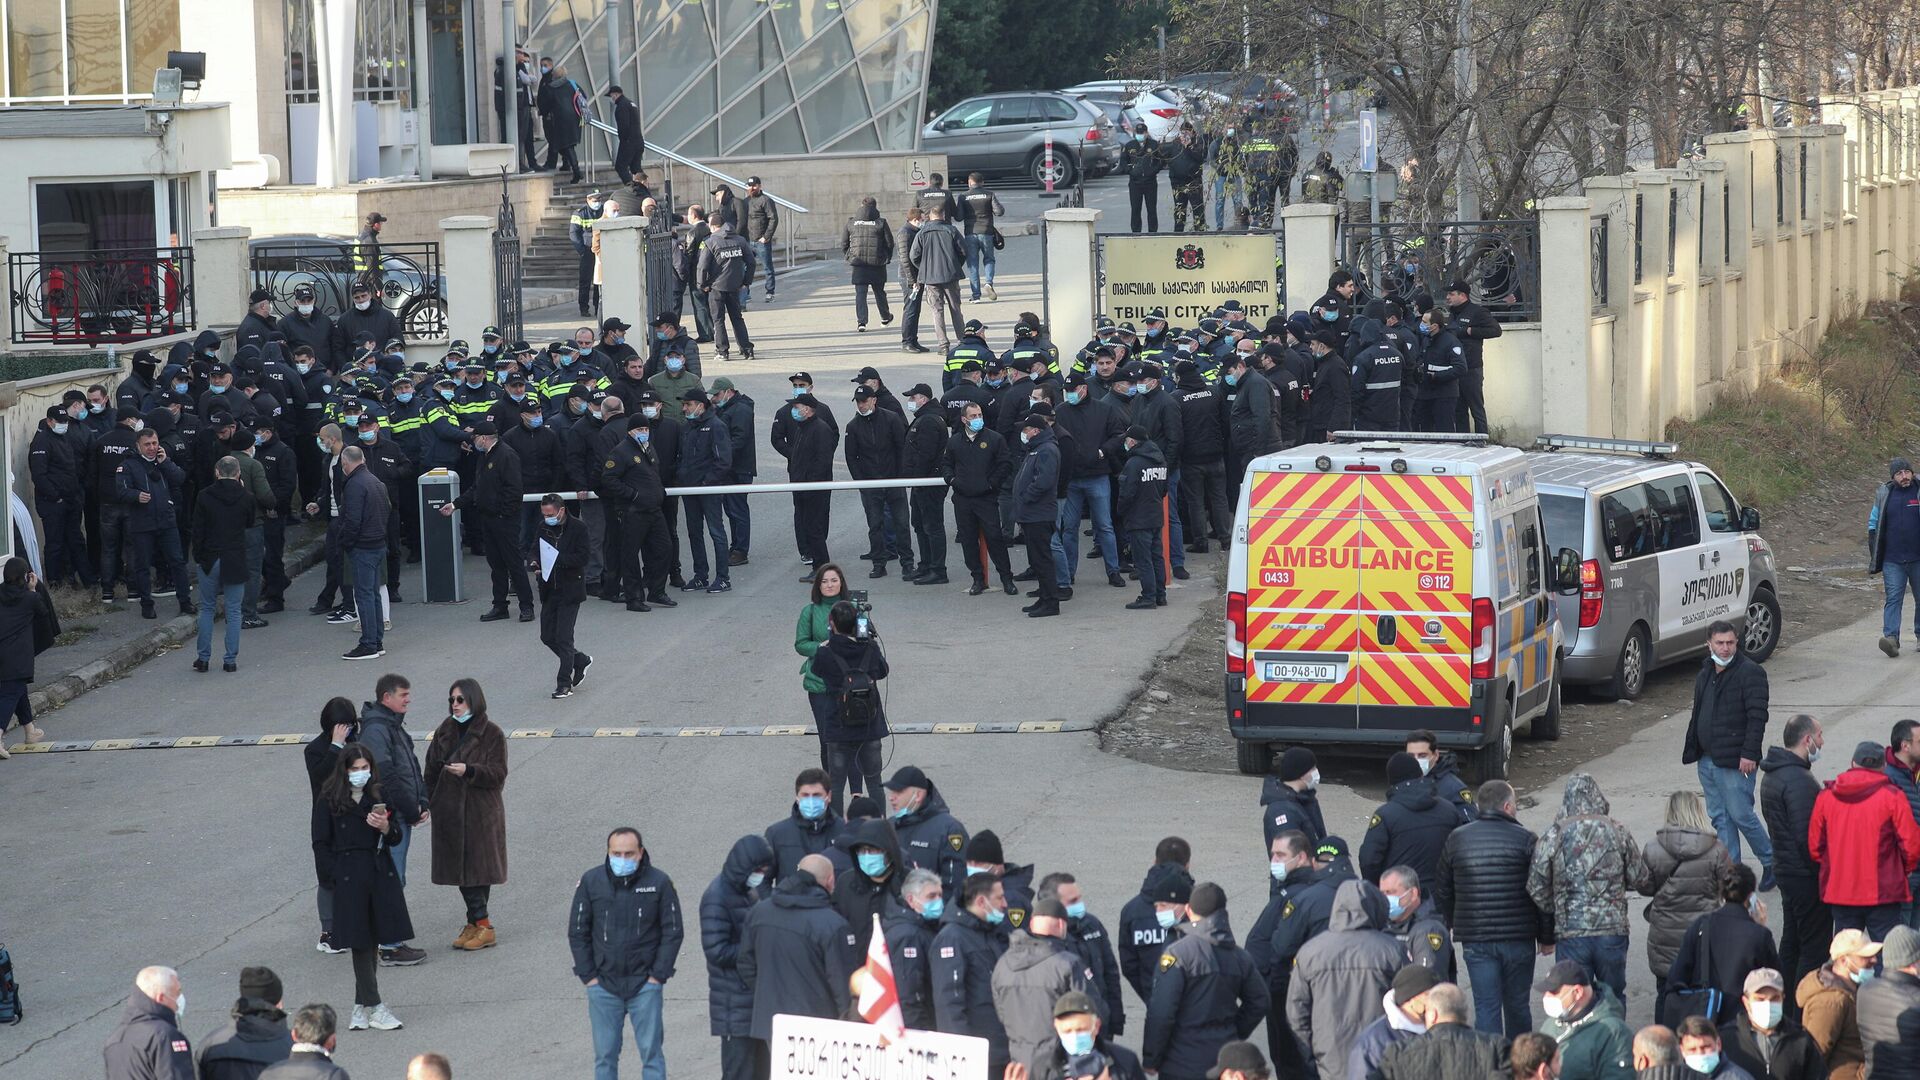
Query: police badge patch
x=1434, y=942
x=955, y=840
x=1373, y=822
x=1287, y=912
x=1166, y=960
x=1016, y=917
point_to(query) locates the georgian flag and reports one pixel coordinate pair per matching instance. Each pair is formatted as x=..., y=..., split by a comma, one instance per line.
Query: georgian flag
x=879, y=998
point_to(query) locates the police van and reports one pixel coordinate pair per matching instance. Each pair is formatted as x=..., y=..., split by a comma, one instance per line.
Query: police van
x=1665, y=551
x=1389, y=581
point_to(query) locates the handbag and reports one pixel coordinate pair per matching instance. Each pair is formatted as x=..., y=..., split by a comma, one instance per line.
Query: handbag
x=1699, y=997
x=999, y=240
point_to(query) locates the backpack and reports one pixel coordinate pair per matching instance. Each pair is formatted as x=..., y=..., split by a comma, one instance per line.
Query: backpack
x=11, y=1011
x=859, y=697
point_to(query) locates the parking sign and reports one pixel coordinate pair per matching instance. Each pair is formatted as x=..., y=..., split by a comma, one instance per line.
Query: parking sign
x=1369, y=142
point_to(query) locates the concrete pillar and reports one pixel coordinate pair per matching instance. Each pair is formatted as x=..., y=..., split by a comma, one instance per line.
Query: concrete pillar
x=1073, y=281
x=623, y=263
x=1713, y=347
x=334, y=39
x=6, y=310
x=1311, y=254
x=221, y=277
x=1612, y=199
x=1639, y=405
x=1682, y=372
x=1568, y=402
x=466, y=257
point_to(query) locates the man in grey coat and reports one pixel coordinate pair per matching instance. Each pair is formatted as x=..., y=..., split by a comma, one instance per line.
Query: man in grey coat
x=1890, y=1009
x=937, y=261
x=1341, y=977
x=314, y=1037
x=1030, y=976
x=383, y=732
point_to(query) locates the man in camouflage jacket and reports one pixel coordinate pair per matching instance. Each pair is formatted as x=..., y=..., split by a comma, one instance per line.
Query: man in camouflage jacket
x=1584, y=868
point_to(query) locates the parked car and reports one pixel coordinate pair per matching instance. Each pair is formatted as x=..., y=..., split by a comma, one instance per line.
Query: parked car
x=1664, y=551
x=415, y=293
x=1002, y=135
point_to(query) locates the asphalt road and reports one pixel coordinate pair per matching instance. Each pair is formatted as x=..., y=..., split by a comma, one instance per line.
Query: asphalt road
x=199, y=858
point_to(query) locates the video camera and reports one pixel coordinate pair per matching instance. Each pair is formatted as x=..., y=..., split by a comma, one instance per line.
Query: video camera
x=863, y=613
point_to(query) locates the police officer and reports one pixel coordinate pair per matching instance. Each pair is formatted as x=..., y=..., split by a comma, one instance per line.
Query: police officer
x=1414, y=921
x=985, y=856
x=876, y=450
x=1289, y=799
x=726, y=269
x=1090, y=941
x=1442, y=366
x=1377, y=367
x=1027, y=346
x=59, y=498
x=977, y=465
x=810, y=460
x=930, y=836
x=924, y=456
x=1471, y=325
x=1329, y=401
x=630, y=483
x=1147, y=918
x=909, y=928
x=1442, y=768
x=495, y=502
x=971, y=348
x=964, y=954
x=968, y=386
x=1203, y=452
x=1298, y=909
x=1142, y=161
x=1207, y=993
x=580, y=232
x=1410, y=827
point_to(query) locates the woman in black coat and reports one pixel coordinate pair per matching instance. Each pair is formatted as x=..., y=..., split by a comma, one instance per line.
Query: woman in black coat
x=563, y=124
x=353, y=833
x=1722, y=946
x=338, y=727
x=27, y=628
x=853, y=729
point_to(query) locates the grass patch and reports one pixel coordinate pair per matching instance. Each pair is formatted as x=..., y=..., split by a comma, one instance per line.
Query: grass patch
x=70, y=603
x=73, y=633
x=1844, y=408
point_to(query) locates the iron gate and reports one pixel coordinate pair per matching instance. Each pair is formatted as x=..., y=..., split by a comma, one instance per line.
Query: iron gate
x=508, y=275
x=663, y=285
x=1499, y=261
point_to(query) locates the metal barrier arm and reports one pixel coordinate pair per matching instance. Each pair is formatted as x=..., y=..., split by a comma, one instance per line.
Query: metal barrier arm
x=768, y=489
x=692, y=164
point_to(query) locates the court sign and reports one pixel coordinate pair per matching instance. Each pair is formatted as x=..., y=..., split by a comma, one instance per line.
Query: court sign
x=1188, y=274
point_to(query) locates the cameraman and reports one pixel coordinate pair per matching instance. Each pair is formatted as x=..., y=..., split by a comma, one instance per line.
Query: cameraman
x=850, y=665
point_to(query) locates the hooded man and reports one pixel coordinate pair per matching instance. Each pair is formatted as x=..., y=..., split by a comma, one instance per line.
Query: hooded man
x=872, y=885
x=256, y=1037
x=1584, y=866
x=741, y=883
x=1341, y=977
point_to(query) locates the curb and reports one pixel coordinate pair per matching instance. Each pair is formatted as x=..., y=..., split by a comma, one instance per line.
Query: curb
x=131, y=654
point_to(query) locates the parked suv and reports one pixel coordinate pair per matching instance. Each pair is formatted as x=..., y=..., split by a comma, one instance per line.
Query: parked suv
x=1000, y=135
x=1664, y=551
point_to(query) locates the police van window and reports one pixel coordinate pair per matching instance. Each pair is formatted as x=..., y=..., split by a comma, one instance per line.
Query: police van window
x=1507, y=556
x=1530, y=552
x=1678, y=517
x=1566, y=522
x=1723, y=514
x=1626, y=528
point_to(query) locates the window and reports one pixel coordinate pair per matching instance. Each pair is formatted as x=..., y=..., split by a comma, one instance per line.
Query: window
x=967, y=114
x=1530, y=554
x=1723, y=514
x=96, y=217
x=1625, y=528
x=1010, y=112
x=1507, y=560
x=383, y=47
x=1566, y=521
x=1060, y=110
x=1675, y=513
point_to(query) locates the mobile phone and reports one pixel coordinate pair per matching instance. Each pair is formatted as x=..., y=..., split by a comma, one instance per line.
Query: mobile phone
x=379, y=808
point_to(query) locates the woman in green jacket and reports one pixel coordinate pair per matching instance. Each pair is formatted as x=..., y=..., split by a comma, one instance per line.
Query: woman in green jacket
x=811, y=632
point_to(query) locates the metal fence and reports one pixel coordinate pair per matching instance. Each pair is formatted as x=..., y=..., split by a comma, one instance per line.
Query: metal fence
x=508, y=277
x=100, y=297
x=1499, y=261
x=1598, y=285
x=407, y=280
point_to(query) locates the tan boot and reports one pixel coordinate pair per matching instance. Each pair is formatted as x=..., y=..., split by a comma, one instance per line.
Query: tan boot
x=466, y=935
x=35, y=733
x=3, y=752
x=483, y=938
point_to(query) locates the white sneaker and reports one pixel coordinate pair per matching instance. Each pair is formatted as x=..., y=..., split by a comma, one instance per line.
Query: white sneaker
x=359, y=1021
x=383, y=1018
x=386, y=624
x=3, y=753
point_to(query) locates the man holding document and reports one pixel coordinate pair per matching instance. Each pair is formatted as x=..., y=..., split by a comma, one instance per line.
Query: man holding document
x=559, y=558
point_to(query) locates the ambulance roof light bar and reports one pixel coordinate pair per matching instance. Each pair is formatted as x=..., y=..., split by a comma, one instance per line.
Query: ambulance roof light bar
x=1397, y=437
x=1606, y=446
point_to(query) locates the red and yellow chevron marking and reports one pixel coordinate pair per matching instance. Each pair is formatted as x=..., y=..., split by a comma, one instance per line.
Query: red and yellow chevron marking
x=1303, y=492
x=1323, y=627
x=1425, y=681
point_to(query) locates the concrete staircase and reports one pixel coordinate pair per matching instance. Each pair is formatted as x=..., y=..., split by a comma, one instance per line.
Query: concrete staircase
x=550, y=261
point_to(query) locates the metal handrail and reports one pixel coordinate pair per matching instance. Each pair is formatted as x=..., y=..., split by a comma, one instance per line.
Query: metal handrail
x=710, y=171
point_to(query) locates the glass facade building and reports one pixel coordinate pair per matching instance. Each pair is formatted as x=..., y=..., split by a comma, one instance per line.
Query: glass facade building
x=745, y=78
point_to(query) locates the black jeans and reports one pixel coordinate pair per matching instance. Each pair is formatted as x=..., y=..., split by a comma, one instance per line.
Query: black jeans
x=113, y=536
x=1149, y=560
x=1144, y=196
x=879, y=298
x=163, y=545
x=1472, y=405
x=723, y=307
x=65, y=547
x=556, y=633
x=1203, y=501
x=586, y=281
x=910, y=313
x=366, y=979
x=476, y=899
x=977, y=518
x=501, y=538
x=877, y=502
x=643, y=554
x=1805, y=932
x=626, y=159
x=1039, y=540
x=930, y=526
x=848, y=765
x=273, y=568
x=811, y=513
x=1435, y=414
x=743, y=1057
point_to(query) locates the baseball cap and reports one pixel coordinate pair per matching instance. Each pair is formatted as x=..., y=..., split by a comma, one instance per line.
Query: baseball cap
x=973, y=326
x=696, y=394
x=612, y=322
x=970, y=365
x=907, y=776
x=1763, y=978
x=722, y=383
x=484, y=427
x=1073, y=1002
x=1459, y=286
x=808, y=400
x=1852, y=943
x=920, y=389
x=1562, y=975
x=490, y=332
x=861, y=393
x=865, y=374
x=1238, y=1056
x=1868, y=754
x=377, y=218
x=753, y=181
x=1333, y=847
x=666, y=318
x=800, y=376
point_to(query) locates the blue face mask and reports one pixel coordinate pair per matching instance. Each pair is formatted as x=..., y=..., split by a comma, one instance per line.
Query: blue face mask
x=1166, y=919
x=1077, y=909
x=1139, y=136
x=972, y=870
x=872, y=863
x=812, y=807
x=216, y=389
x=996, y=383
x=796, y=413
x=1395, y=906
x=661, y=335
x=1136, y=389
x=551, y=519
x=463, y=716
x=583, y=350
x=935, y=908
x=520, y=395
x=902, y=812
x=1703, y=1063
x=1330, y=316
x=995, y=918
x=447, y=394
x=259, y=440
x=1073, y=397
x=619, y=339
x=59, y=429
x=322, y=444
x=974, y=425
x=1410, y=267
x=181, y=388
x=369, y=436
x=500, y=377
x=535, y=421
x=642, y=437
x=675, y=364
x=405, y=398
x=622, y=867
x=797, y=391
x=1233, y=380
x=1077, y=1043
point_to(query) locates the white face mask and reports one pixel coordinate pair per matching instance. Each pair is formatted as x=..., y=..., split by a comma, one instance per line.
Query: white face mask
x=362, y=305
x=1426, y=765
x=305, y=309
x=359, y=777
x=1552, y=1007
x=180, y=1007
x=1765, y=1014
x=1313, y=779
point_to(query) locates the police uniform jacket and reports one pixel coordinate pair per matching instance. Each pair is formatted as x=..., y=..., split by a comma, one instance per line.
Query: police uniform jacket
x=631, y=477
x=810, y=457
x=1251, y=426
x=726, y=263
x=315, y=331
x=784, y=426
x=1427, y=940
x=965, y=952
x=1094, y=945
x=1408, y=829
x=625, y=930
x=1142, y=161
x=1207, y=993
x=1472, y=325
x=977, y=464
x=1329, y=408
x=1158, y=413
x=148, y=1045
x=937, y=197
x=1376, y=381
x=55, y=467
x=925, y=450
x=1304, y=913
x=444, y=437
x=910, y=949
x=376, y=322
x=1282, y=808
x=1143, y=489
x=1202, y=421
x=1141, y=936
x=933, y=839
x=497, y=486
x=876, y=445
x=955, y=400
x=796, y=952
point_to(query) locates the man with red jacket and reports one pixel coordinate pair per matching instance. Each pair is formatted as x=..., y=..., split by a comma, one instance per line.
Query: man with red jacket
x=1864, y=837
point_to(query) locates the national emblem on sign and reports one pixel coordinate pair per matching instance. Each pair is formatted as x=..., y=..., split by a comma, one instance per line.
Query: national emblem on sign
x=1190, y=257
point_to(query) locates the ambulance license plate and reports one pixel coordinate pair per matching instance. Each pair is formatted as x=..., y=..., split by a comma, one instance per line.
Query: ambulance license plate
x=1294, y=671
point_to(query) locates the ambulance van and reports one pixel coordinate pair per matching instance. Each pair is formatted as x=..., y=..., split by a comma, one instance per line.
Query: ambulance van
x=1384, y=582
